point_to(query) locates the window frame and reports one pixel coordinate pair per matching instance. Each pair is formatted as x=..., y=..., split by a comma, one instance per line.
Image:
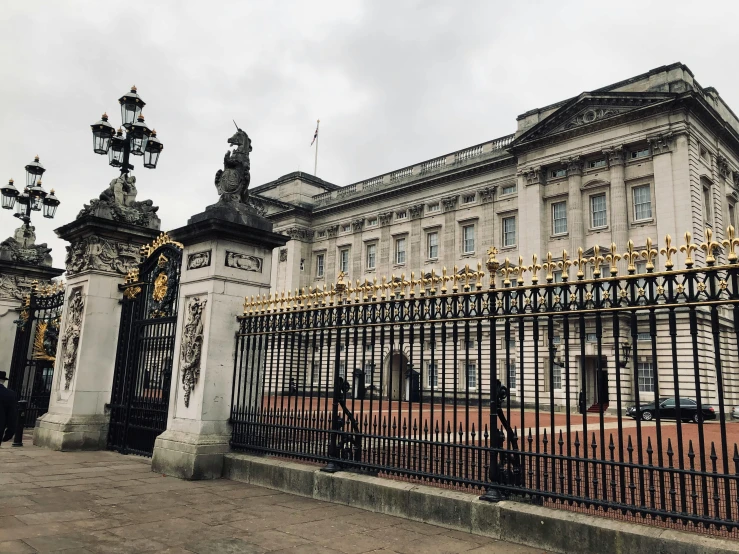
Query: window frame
x=503, y=230
x=397, y=252
x=643, y=380
x=555, y=205
x=505, y=192
x=373, y=246
x=342, y=251
x=433, y=207
x=432, y=369
x=401, y=215
x=429, y=255
x=469, y=198
x=558, y=173
x=635, y=205
x=591, y=201
x=641, y=153
x=466, y=226
x=320, y=264
x=372, y=222
x=466, y=366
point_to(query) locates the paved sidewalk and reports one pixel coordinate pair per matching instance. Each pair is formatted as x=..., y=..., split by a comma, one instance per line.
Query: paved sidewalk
x=108, y=503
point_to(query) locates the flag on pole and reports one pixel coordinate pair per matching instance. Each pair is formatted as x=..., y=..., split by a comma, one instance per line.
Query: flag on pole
x=315, y=135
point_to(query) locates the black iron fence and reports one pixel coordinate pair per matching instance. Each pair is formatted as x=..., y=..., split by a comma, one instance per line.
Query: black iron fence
x=606, y=391
x=34, y=349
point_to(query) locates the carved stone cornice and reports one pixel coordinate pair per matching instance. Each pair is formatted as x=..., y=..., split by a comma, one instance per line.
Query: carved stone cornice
x=736, y=179
x=358, y=225
x=574, y=165
x=487, y=194
x=660, y=144
x=415, y=211
x=534, y=176
x=449, y=202
x=722, y=164
x=332, y=231
x=615, y=156
x=385, y=218
x=299, y=233
x=99, y=254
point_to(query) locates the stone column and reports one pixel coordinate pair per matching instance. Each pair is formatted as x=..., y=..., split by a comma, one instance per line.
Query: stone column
x=210, y=299
x=619, y=206
x=574, y=204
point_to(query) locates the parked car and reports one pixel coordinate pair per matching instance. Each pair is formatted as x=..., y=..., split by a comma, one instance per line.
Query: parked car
x=735, y=413
x=668, y=410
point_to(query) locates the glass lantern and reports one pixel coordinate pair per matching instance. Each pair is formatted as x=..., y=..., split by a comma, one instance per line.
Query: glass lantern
x=37, y=195
x=131, y=106
x=153, y=149
x=20, y=204
x=34, y=171
x=139, y=135
x=102, y=132
x=9, y=194
x=117, y=149
x=51, y=203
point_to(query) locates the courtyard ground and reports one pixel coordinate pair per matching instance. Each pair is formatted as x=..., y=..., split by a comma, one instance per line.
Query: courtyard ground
x=104, y=502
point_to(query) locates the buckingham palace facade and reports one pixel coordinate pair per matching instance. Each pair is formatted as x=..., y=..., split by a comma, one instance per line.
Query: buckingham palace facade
x=653, y=155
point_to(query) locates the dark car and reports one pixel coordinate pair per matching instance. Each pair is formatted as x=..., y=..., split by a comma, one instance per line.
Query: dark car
x=668, y=410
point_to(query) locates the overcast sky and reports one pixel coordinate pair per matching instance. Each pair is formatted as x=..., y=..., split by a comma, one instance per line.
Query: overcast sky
x=393, y=82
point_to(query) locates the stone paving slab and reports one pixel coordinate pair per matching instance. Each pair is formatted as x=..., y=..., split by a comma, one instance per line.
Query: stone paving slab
x=103, y=502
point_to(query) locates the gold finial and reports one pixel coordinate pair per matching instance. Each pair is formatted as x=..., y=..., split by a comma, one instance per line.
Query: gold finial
x=565, y=265
x=549, y=266
x=649, y=254
x=506, y=271
x=730, y=243
x=581, y=262
x=631, y=255
x=492, y=264
x=413, y=284
x=613, y=259
x=432, y=281
x=367, y=287
x=688, y=248
x=375, y=288
x=444, y=280
x=709, y=246
x=246, y=304
x=331, y=294
x=383, y=287
x=455, y=278
x=480, y=274
x=520, y=270
x=668, y=250
x=596, y=260
x=325, y=294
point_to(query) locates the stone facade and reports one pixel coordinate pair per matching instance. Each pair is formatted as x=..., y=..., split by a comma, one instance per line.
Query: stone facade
x=653, y=155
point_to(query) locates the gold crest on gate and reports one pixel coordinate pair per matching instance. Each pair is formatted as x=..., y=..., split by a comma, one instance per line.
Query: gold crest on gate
x=160, y=287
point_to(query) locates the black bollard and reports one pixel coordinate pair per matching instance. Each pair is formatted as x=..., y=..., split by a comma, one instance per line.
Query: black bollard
x=22, y=407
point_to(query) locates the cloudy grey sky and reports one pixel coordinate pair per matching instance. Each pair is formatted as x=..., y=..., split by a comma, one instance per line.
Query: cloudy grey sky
x=393, y=82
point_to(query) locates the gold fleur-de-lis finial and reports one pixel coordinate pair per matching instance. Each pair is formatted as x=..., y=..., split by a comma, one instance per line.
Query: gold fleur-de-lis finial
x=492, y=264
x=649, y=254
x=688, y=248
x=412, y=283
x=581, y=262
x=480, y=275
x=383, y=287
x=520, y=270
x=613, y=259
x=535, y=268
x=667, y=251
x=550, y=267
x=506, y=271
x=432, y=282
x=631, y=255
x=565, y=265
x=596, y=260
x=375, y=288
x=455, y=279
x=709, y=246
x=730, y=243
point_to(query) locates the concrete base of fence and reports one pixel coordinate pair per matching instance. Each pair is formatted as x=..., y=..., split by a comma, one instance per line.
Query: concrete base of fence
x=68, y=433
x=189, y=456
x=547, y=528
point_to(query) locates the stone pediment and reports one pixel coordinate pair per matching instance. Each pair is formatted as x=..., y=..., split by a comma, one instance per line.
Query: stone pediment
x=591, y=111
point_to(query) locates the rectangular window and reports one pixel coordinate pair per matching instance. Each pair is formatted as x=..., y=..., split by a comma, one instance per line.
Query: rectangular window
x=368, y=348
x=321, y=234
x=433, y=375
x=646, y=376
x=557, y=276
x=401, y=215
x=556, y=173
x=319, y=265
x=471, y=370
x=704, y=153
x=556, y=376
x=512, y=375
x=509, y=231
x=559, y=218
x=707, y=203
x=342, y=369
x=508, y=189
x=468, y=198
x=372, y=222
x=369, y=369
x=556, y=339
x=371, y=256
x=433, y=245
x=346, y=228
x=431, y=208
x=642, y=202
x=597, y=163
x=400, y=251
x=732, y=214
x=644, y=337
x=591, y=337
x=344, y=260
x=636, y=154
x=598, y=211
x=468, y=239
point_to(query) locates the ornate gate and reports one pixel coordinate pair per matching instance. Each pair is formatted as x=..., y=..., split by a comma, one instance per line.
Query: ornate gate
x=34, y=350
x=143, y=368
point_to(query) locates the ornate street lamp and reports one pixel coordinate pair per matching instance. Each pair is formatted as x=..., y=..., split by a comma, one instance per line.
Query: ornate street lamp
x=34, y=197
x=138, y=141
x=625, y=353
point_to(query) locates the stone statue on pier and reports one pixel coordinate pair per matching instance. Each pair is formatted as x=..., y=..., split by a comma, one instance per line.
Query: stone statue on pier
x=118, y=202
x=22, y=247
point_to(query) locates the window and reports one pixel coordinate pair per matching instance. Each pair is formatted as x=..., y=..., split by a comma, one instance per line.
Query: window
x=557, y=276
x=433, y=375
x=320, y=265
x=707, y=203
x=368, y=348
x=646, y=376
x=559, y=218
x=433, y=245
x=344, y=260
x=369, y=369
x=598, y=211
x=591, y=337
x=642, y=202
x=508, y=189
x=636, y=154
x=557, y=376
x=704, y=153
x=509, y=231
x=431, y=208
x=342, y=369
x=732, y=215
x=512, y=375
x=321, y=234
x=372, y=222
x=511, y=345
x=597, y=163
x=430, y=345
x=401, y=215
x=346, y=228
x=556, y=339
x=400, y=251
x=371, y=255
x=556, y=173
x=471, y=370
x=643, y=336
x=468, y=198
x=468, y=239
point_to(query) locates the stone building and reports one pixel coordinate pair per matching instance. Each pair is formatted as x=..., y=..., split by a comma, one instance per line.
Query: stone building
x=652, y=155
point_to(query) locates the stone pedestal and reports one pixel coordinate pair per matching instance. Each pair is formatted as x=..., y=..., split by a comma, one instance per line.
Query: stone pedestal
x=226, y=258
x=101, y=253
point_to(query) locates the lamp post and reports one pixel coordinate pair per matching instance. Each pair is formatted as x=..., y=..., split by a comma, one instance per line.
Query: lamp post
x=33, y=198
x=625, y=354
x=138, y=141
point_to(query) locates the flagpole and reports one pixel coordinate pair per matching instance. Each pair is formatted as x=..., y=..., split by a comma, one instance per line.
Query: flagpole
x=315, y=164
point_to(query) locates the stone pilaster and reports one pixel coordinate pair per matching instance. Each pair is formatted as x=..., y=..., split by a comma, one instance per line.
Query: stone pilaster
x=619, y=207
x=574, y=203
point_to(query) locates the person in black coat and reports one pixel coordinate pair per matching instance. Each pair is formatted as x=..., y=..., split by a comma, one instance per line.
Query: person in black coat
x=8, y=410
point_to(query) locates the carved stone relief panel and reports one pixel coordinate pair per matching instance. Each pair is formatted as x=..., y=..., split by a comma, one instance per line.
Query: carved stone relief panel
x=191, y=349
x=244, y=261
x=416, y=211
x=95, y=253
x=15, y=287
x=71, y=334
x=197, y=260
x=283, y=254
x=487, y=194
x=449, y=202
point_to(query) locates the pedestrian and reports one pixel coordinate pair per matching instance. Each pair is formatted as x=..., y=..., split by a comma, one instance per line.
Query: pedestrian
x=8, y=410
